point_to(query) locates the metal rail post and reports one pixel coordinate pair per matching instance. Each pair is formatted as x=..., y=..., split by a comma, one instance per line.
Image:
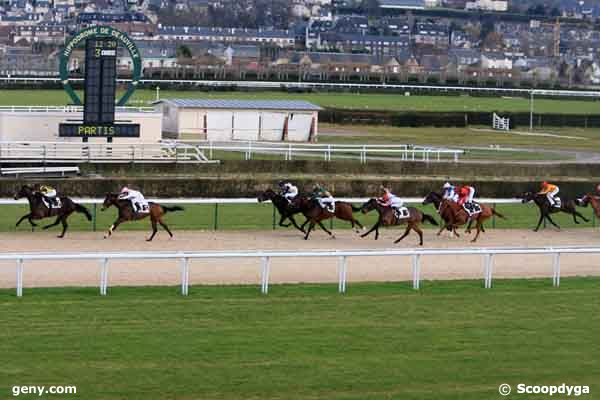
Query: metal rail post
x=216, y=217
x=556, y=270
x=20, y=277
x=416, y=260
x=342, y=265
x=185, y=276
x=103, y=276
x=266, y=263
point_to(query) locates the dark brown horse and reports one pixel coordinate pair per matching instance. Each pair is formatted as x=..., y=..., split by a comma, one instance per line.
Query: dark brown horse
x=286, y=209
x=387, y=217
x=592, y=199
x=315, y=214
x=39, y=210
x=454, y=215
x=566, y=206
x=126, y=213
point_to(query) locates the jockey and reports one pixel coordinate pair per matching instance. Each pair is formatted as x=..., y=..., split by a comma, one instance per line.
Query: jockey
x=324, y=198
x=465, y=195
x=288, y=190
x=49, y=194
x=550, y=191
x=449, y=192
x=138, y=202
x=390, y=200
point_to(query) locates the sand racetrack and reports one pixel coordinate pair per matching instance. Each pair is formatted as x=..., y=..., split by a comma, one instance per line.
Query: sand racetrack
x=247, y=271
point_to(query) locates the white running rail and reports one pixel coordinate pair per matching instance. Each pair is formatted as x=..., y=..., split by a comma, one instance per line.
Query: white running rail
x=61, y=152
x=402, y=152
x=246, y=200
x=69, y=109
x=487, y=254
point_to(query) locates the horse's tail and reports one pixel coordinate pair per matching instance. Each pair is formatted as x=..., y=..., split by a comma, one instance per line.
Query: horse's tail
x=430, y=219
x=171, y=209
x=81, y=209
x=496, y=213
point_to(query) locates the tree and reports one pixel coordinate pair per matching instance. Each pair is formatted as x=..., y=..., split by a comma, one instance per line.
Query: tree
x=184, y=51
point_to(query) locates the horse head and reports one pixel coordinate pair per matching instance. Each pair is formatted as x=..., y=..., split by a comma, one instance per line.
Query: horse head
x=368, y=206
x=109, y=200
x=25, y=191
x=432, y=197
x=526, y=197
x=266, y=195
x=584, y=201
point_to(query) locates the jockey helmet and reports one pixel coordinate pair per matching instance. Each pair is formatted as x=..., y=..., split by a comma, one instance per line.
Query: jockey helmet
x=544, y=183
x=124, y=189
x=281, y=183
x=447, y=185
x=598, y=188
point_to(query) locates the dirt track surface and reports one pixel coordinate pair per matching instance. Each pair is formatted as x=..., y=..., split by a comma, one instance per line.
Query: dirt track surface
x=247, y=271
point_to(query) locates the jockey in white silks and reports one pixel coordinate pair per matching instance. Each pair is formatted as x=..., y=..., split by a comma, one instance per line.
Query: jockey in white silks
x=138, y=202
x=288, y=190
x=449, y=192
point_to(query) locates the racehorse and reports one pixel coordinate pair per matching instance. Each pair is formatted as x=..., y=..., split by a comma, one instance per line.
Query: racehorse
x=540, y=200
x=286, y=209
x=387, y=217
x=126, y=213
x=39, y=210
x=590, y=199
x=315, y=214
x=454, y=215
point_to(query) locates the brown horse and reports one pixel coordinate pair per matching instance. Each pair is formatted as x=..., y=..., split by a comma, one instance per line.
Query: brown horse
x=454, y=215
x=387, y=217
x=126, y=213
x=592, y=199
x=39, y=210
x=315, y=214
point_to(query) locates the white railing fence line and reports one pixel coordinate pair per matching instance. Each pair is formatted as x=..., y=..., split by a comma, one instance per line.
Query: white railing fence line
x=19, y=151
x=404, y=152
x=73, y=109
x=289, y=84
x=245, y=200
x=266, y=257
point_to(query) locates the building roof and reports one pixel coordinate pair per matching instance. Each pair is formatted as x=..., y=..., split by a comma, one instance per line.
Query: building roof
x=406, y=4
x=243, y=104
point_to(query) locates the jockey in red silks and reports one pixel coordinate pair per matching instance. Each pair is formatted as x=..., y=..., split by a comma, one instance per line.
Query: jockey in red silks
x=465, y=195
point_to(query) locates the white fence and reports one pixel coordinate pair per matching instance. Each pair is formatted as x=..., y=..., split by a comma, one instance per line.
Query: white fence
x=306, y=85
x=62, y=152
x=487, y=255
x=499, y=123
x=402, y=152
x=70, y=109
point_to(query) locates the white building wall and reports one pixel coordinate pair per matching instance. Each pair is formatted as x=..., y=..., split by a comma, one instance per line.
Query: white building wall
x=219, y=125
x=299, y=126
x=272, y=126
x=246, y=125
x=22, y=126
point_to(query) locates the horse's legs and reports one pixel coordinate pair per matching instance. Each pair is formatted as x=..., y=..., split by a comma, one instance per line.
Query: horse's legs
x=537, y=228
x=162, y=223
x=53, y=224
x=29, y=218
x=154, y=229
x=112, y=228
x=291, y=218
x=478, y=226
x=374, y=228
x=444, y=226
x=468, y=230
x=419, y=232
x=63, y=219
x=577, y=214
x=310, y=228
x=325, y=229
x=283, y=218
x=406, y=232
x=552, y=222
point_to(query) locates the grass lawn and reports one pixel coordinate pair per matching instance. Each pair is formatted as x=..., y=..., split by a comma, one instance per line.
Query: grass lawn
x=463, y=137
x=450, y=340
x=260, y=216
x=393, y=102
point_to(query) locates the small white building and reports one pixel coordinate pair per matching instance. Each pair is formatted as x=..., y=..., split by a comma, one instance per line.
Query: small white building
x=488, y=5
x=225, y=120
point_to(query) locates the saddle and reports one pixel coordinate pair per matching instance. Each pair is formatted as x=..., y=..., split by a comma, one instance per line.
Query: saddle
x=51, y=206
x=401, y=213
x=472, y=208
x=557, y=202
